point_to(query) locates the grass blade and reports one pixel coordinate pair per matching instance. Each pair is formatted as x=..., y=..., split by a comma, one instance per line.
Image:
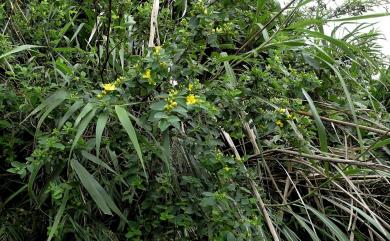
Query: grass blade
x=58, y=216
x=123, y=117
x=70, y=112
x=320, y=126
x=340, y=235
x=19, y=49
x=100, y=125
x=92, y=186
x=81, y=128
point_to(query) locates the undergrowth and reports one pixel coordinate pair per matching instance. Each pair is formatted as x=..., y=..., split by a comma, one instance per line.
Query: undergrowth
x=192, y=120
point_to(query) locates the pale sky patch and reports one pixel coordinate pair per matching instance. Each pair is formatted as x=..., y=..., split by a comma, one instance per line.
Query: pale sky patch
x=382, y=24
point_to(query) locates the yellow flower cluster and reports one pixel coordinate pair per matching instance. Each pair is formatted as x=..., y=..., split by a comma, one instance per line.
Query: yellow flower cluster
x=157, y=50
x=171, y=103
x=110, y=87
x=282, y=111
x=191, y=99
x=279, y=123
x=148, y=76
x=190, y=87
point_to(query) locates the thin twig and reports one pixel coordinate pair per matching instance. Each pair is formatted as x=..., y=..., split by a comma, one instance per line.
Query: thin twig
x=329, y=159
x=367, y=128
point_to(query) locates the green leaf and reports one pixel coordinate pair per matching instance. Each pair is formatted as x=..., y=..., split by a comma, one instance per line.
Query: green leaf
x=368, y=16
x=58, y=216
x=313, y=235
x=87, y=108
x=97, y=161
x=100, y=125
x=159, y=106
x=380, y=144
x=320, y=126
x=59, y=94
x=94, y=189
x=19, y=49
x=124, y=119
x=330, y=225
x=51, y=106
x=81, y=128
x=69, y=113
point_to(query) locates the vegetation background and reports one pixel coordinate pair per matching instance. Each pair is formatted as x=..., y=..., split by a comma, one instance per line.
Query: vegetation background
x=193, y=120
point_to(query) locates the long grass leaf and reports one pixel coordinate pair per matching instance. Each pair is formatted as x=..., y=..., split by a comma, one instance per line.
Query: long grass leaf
x=100, y=125
x=58, y=216
x=19, y=49
x=87, y=108
x=340, y=235
x=92, y=186
x=97, y=161
x=69, y=113
x=124, y=119
x=320, y=126
x=81, y=128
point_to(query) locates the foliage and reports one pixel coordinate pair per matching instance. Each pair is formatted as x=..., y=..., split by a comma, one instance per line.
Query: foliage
x=239, y=120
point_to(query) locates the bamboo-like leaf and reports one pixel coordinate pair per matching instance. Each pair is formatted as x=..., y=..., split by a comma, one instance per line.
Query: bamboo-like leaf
x=368, y=16
x=289, y=234
x=229, y=72
x=77, y=31
x=380, y=144
x=81, y=128
x=320, y=126
x=69, y=113
x=340, y=235
x=100, y=125
x=87, y=108
x=50, y=107
x=124, y=119
x=313, y=235
x=19, y=49
x=59, y=94
x=97, y=161
x=92, y=186
x=58, y=216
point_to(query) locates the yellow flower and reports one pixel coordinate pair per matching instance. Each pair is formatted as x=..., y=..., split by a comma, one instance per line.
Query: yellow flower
x=157, y=49
x=171, y=105
x=119, y=80
x=279, y=123
x=191, y=99
x=109, y=87
x=173, y=93
x=290, y=116
x=147, y=74
x=282, y=111
x=190, y=87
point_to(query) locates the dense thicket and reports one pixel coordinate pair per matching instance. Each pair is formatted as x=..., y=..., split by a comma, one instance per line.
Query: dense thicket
x=192, y=120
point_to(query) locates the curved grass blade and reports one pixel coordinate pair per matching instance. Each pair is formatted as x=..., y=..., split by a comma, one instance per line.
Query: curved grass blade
x=96, y=191
x=340, y=235
x=69, y=113
x=97, y=161
x=320, y=126
x=19, y=49
x=100, y=125
x=303, y=223
x=81, y=128
x=368, y=16
x=58, y=216
x=50, y=108
x=126, y=123
x=87, y=108
x=52, y=98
